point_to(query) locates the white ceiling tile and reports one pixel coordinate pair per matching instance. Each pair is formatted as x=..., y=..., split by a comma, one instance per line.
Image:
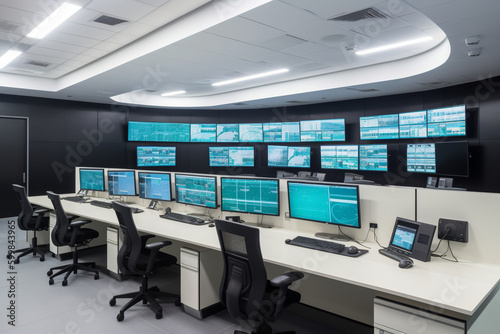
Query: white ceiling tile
x=86, y=31
x=245, y=30
x=84, y=58
x=107, y=46
x=36, y=50
x=61, y=37
x=305, y=49
x=138, y=29
x=61, y=46
x=282, y=42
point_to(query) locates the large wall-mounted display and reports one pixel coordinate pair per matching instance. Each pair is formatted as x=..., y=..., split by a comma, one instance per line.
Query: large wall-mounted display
x=155, y=156
x=237, y=156
x=288, y=156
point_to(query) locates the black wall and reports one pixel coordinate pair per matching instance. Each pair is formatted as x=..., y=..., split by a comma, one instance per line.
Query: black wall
x=64, y=134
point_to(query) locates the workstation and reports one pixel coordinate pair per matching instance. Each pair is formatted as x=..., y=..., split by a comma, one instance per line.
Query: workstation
x=414, y=130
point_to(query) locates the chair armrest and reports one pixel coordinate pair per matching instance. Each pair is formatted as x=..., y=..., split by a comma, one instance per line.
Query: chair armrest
x=154, y=247
x=286, y=279
x=145, y=238
x=75, y=227
x=158, y=245
x=79, y=223
x=40, y=215
x=41, y=211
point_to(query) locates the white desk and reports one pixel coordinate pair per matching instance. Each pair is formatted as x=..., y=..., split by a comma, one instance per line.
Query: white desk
x=461, y=290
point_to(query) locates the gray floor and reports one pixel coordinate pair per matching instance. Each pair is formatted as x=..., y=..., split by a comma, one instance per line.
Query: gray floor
x=83, y=305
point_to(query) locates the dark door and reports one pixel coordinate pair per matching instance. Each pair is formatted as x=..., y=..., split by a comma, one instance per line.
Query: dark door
x=13, y=162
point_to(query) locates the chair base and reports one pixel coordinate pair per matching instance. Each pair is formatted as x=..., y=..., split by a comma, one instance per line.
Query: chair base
x=34, y=249
x=146, y=295
x=72, y=269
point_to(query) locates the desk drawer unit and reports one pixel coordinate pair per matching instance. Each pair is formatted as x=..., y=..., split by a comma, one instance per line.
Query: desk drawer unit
x=395, y=318
x=201, y=272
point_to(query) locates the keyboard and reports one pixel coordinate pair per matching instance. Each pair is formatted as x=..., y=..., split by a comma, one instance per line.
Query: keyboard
x=76, y=199
x=393, y=255
x=101, y=204
x=321, y=245
x=183, y=218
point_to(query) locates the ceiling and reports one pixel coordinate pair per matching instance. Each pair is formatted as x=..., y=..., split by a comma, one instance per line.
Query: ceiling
x=158, y=46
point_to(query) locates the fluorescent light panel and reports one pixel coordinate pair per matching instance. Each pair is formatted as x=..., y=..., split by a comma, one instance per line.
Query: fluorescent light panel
x=250, y=77
x=177, y=92
x=61, y=14
x=7, y=57
x=393, y=46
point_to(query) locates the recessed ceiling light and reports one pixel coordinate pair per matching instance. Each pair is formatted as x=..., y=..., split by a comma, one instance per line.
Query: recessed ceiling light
x=61, y=14
x=177, y=92
x=8, y=57
x=393, y=46
x=250, y=77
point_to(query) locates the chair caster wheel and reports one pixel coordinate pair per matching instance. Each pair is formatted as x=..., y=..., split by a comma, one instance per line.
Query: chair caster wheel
x=64, y=282
x=42, y=259
x=120, y=317
x=177, y=302
x=96, y=276
x=154, y=289
x=16, y=261
x=159, y=315
x=112, y=302
x=49, y=273
x=51, y=281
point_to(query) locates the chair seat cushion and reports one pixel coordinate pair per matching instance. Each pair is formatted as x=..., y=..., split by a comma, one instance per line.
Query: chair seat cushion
x=162, y=260
x=83, y=235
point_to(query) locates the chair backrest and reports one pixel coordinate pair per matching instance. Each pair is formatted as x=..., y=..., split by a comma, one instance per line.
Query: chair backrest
x=244, y=279
x=130, y=251
x=26, y=213
x=62, y=222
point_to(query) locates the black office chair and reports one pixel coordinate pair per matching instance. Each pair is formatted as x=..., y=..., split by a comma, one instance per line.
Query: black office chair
x=245, y=290
x=69, y=232
x=140, y=259
x=30, y=219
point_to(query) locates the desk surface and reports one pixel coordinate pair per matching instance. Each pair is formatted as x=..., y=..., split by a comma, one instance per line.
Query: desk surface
x=458, y=287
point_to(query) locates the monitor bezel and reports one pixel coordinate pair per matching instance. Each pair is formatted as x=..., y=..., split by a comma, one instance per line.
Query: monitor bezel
x=193, y=204
x=92, y=169
x=154, y=173
x=252, y=179
x=121, y=171
x=327, y=185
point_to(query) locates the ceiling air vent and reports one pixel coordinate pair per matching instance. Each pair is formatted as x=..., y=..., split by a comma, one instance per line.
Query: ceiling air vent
x=37, y=63
x=364, y=14
x=109, y=20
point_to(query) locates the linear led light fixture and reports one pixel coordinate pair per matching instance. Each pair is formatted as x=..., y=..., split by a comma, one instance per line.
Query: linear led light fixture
x=61, y=14
x=8, y=56
x=177, y=92
x=250, y=77
x=393, y=46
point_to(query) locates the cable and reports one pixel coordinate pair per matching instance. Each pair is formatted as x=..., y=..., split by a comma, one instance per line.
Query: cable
x=356, y=241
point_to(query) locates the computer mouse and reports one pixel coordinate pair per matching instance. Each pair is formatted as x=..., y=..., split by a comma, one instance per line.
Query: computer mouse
x=211, y=225
x=405, y=263
x=352, y=250
x=287, y=241
x=138, y=211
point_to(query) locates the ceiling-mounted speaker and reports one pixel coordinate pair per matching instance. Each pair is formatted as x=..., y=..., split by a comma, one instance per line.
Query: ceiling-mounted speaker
x=472, y=40
x=474, y=52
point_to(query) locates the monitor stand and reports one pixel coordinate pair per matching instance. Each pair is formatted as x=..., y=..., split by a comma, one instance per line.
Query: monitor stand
x=153, y=204
x=333, y=236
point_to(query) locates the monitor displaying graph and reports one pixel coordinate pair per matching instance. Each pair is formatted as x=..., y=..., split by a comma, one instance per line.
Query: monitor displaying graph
x=155, y=186
x=258, y=196
x=287, y=132
x=373, y=157
x=446, y=122
x=413, y=124
x=160, y=132
x=92, y=179
x=421, y=158
x=203, y=133
x=155, y=156
x=228, y=133
x=288, y=156
x=379, y=127
x=196, y=190
x=339, y=157
x=251, y=133
x=237, y=156
x=322, y=130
